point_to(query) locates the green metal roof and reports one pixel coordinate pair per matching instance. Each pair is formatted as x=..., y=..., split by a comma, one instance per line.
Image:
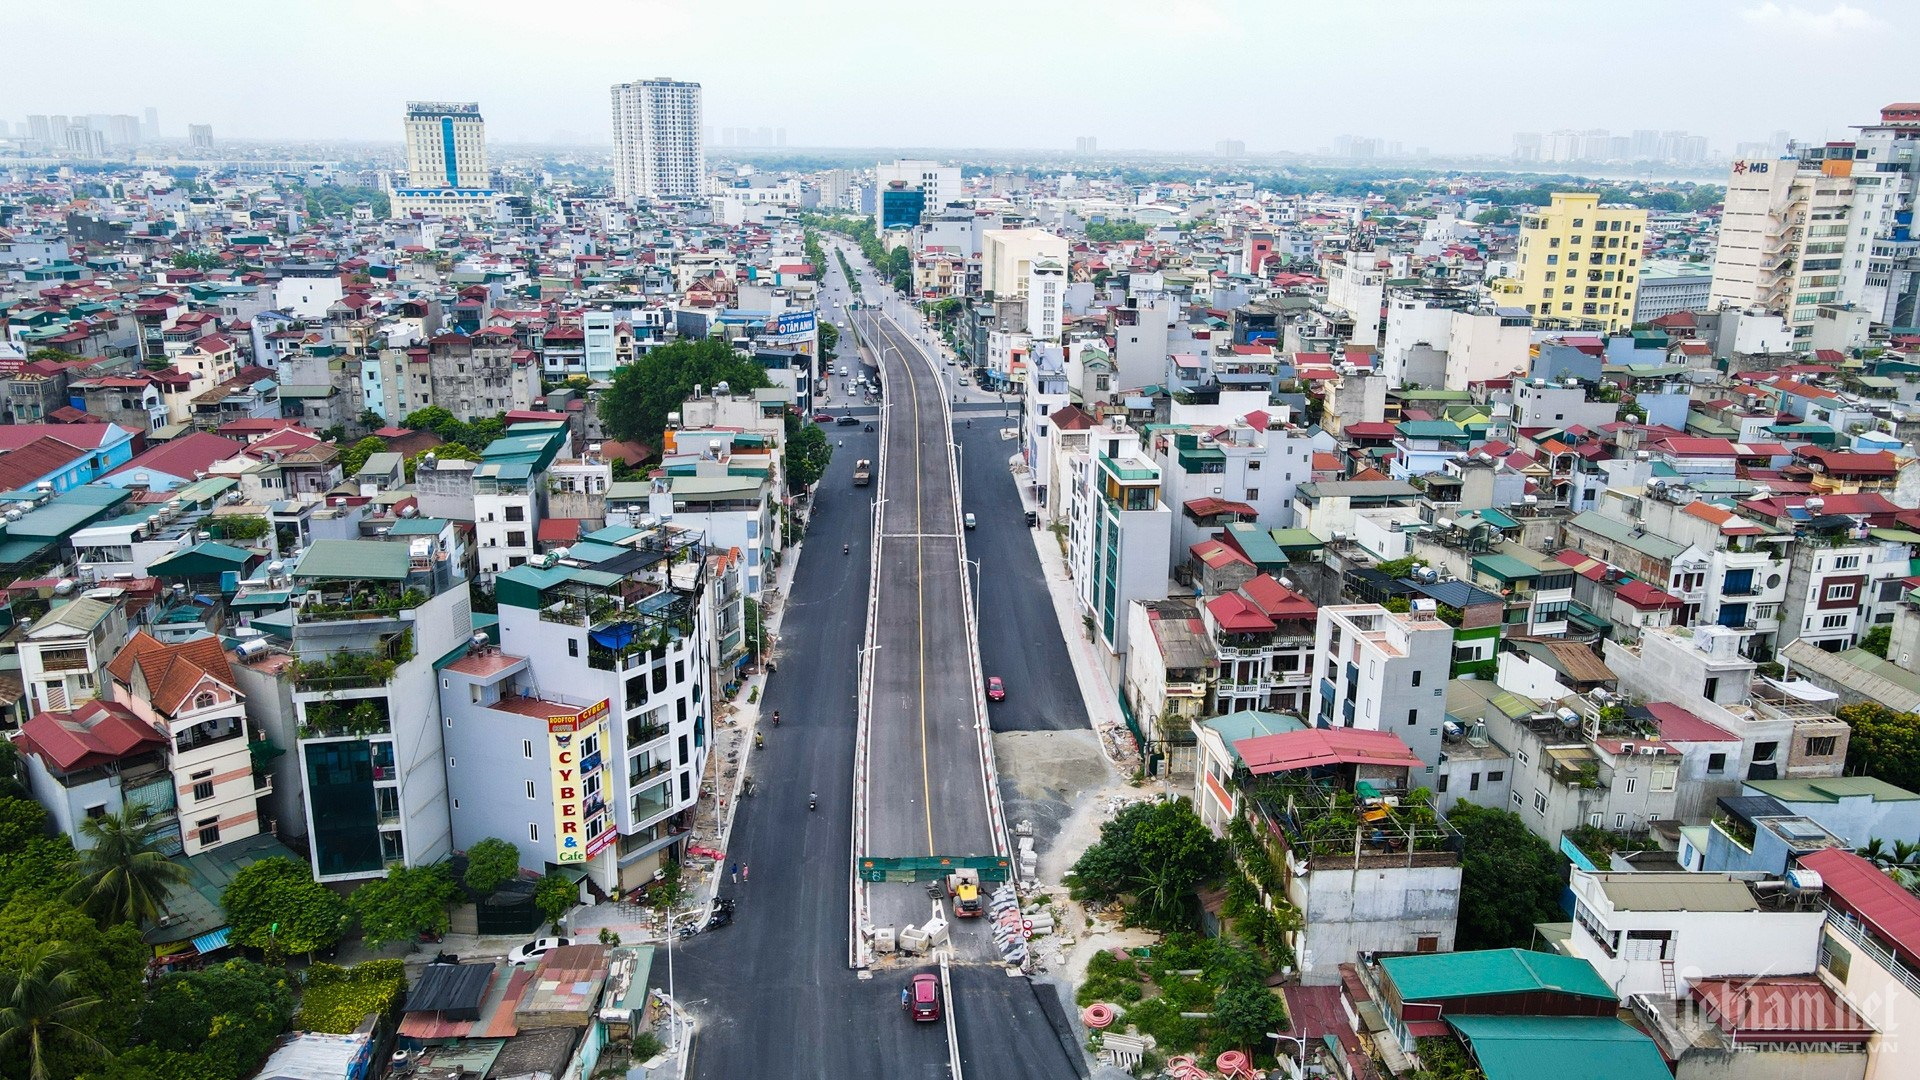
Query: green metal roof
x=1431, y=429
x=1439, y=976
x=612, y=534
x=425, y=526
x=717, y=487
x=1256, y=543
x=521, y=586
x=1504, y=567
x=591, y=551
x=1297, y=538
x=353, y=560
x=1562, y=1047
x=1832, y=789
x=205, y=559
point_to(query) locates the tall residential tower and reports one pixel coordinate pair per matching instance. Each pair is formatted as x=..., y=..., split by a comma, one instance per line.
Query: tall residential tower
x=657, y=151
x=1580, y=263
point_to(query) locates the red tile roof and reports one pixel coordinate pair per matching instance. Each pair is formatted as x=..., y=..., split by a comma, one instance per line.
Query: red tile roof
x=1677, y=725
x=183, y=457
x=1859, y=888
x=1323, y=746
x=42, y=457
x=1208, y=506
x=1278, y=601
x=1238, y=615
x=1780, y=1008
x=96, y=733
x=1216, y=554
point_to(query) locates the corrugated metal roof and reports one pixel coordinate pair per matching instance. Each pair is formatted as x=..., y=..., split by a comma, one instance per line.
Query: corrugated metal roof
x=1683, y=891
x=354, y=560
x=1563, y=1047
x=1832, y=789
x=1439, y=976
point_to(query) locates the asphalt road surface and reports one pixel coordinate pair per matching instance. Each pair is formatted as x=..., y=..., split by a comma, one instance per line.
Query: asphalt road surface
x=772, y=992
x=1020, y=636
x=926, y=795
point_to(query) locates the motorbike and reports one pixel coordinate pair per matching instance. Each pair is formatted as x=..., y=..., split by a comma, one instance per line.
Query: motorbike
x=759, y=741
x=869, y=427
x=776, y=718
x=811, y=800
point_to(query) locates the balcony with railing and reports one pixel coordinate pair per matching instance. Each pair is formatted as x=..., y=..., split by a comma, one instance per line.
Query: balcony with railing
x=354, y=669
x=330, y=718
x=52, y=660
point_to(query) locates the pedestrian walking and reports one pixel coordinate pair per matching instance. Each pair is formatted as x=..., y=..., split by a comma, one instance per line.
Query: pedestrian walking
x=734, y=873
x=743, y=873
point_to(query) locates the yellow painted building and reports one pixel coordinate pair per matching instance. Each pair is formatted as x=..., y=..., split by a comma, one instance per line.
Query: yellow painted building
x=1580, y=263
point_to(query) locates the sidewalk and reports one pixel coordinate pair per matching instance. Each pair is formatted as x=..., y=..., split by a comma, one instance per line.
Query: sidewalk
x=1103, y=701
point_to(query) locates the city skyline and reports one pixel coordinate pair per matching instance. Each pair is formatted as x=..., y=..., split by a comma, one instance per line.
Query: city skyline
x=555, y=90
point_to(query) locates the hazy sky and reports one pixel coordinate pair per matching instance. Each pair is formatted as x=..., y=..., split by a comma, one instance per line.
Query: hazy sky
x=1454, y=75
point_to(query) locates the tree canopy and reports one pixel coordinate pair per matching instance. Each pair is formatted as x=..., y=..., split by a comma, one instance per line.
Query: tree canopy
x=1509, y=879
x=123, y=876
x=275, y=903
x=356, y=455
x=808, y=453
x=1884, y=744
x=491, y=863
x=636, y=405
x=246, y=1005
x=408, y=900
x=1156, y=852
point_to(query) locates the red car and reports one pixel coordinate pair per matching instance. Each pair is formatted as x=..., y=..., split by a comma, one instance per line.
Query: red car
x=996, y=690
x=822, y=418
x=921, y=998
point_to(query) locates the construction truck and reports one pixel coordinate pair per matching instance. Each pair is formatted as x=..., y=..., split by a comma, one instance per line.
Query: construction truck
x=862, y=472
x=963, y=886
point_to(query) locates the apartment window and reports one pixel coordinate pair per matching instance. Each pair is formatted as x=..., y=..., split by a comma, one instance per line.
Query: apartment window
x=1594, y=820
x=516, y=513
x=1496, y=776
x=1413, y=717
x=1764, y=751
x=1846, y=562
x=530, y=791
x=1619, y=821
x=1633, y=784
x=533, y=833
x=203, y=786
x=1441, y=784
x=204, y=701
x=1712, y=692
x=1840, y=592
x=1520, y=756
x=1253, y=493
x=516, y=539
x=209, y=830
x=573, y=646
x=1822, y=745
x=526, y=748
x=1833, y=622
x=1416, y=678
x=1716, y=763
x=1539, y=801
x=1254, y=465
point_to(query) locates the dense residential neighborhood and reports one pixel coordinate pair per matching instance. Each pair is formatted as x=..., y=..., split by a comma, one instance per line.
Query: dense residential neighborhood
x=1292, y=619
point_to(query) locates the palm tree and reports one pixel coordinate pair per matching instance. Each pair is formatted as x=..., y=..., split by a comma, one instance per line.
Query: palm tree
x=1874, y=851
x=1905, y=853
x=39, y=1004
x=123, y=878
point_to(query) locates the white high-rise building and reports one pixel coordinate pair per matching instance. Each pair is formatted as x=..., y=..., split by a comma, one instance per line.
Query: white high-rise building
x=446, y=162
x=446, y=145
x=941, y=183
x=657, y=148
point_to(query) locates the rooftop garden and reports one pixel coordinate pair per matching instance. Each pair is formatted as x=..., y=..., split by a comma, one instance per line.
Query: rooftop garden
x=1598, y=844
x=1320, y=820
x=363, y=600
x=355, y=669
x=356, y=716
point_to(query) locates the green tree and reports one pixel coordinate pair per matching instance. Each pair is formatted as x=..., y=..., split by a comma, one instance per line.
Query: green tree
x=491, y=863
x=100, y=964
x=1509, y=879
x=407, y=901
x=1101, y=232
x=555, y=896
x=1884, y=744
x=222, y=1020
x=42, y=1005
x=1876, y=640
x=636, y=405
x=808, y=453
x=829, y=340
x=276, y=905
x=357, y=454
x=1245, y=1011
x=1157, y=852
x=902, y=282
x=123, y=876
